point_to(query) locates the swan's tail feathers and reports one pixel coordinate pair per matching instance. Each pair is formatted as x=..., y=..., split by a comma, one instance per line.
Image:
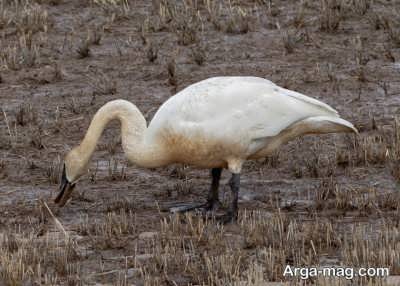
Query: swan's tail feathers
x=327, y=124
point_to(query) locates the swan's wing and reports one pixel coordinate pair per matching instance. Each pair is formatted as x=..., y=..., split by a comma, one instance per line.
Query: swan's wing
x=270, y=112
x=307, y=99
x=236, y=109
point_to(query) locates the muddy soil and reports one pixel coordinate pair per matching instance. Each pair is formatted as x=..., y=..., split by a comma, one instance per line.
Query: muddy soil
x=116, y=218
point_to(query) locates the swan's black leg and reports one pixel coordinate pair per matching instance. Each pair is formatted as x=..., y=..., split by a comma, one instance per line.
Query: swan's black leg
x=212, y=198
x=232, y=213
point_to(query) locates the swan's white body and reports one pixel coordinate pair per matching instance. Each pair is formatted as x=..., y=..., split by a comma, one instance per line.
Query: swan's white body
x=215, y=123
x=224, y=121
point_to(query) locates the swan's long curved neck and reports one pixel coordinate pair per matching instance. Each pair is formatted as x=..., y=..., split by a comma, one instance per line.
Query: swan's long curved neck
x=139, y=149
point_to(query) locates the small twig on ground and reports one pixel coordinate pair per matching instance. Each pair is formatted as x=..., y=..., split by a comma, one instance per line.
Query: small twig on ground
x=56, y=222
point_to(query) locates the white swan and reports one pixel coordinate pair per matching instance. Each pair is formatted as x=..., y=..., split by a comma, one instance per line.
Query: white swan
x=216, y=123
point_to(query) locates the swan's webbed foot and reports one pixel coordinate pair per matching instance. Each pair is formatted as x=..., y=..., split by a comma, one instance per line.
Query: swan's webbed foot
x=202, y=208
x=212, y=203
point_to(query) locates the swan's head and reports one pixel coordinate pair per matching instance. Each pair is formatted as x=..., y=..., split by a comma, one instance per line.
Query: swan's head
x=74, y=168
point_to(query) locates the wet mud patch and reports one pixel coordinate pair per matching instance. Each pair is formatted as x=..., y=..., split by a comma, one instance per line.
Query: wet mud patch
x=320, y=200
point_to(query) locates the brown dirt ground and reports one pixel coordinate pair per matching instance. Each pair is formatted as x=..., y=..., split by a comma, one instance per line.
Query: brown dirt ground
x=323, y=65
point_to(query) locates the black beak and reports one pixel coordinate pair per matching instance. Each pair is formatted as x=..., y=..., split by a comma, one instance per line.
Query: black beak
x=66, y=189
